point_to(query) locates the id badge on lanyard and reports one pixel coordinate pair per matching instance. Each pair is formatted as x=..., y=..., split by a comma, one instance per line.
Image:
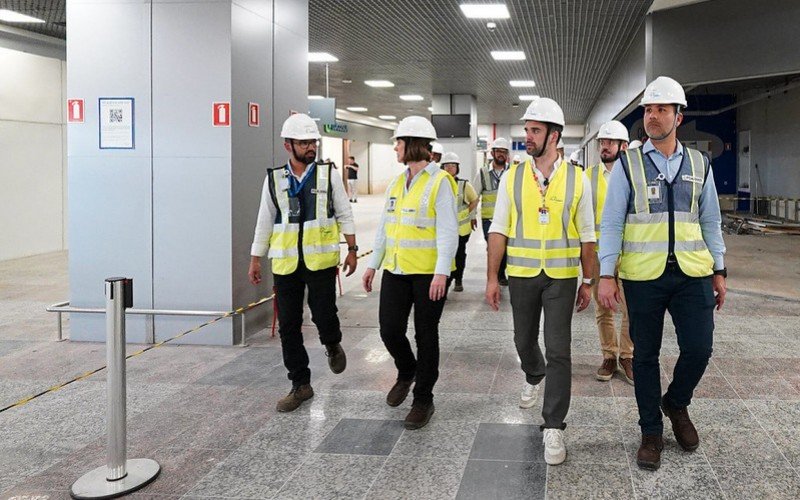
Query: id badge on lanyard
x=655, y=193
x=544, y=216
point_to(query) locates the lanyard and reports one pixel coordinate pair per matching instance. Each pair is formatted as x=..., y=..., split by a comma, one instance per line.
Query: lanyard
x=538, y=185
x=496, y=176
x=296, y=186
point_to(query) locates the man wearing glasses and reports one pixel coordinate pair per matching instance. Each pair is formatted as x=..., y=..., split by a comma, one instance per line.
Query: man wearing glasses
x=303, y=209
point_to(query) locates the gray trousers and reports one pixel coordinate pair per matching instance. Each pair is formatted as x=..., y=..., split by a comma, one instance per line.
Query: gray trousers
x=557, y=297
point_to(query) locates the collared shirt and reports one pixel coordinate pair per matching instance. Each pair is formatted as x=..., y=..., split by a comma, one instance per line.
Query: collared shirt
x=446, y=226
x=584, y=217
x=267, y=211
x=616, y=209
x=495, y=175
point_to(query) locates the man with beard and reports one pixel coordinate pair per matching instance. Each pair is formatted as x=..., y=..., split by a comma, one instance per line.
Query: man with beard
x=302, y=210
x=613, y=140
x=662, y=220
x=486, y=185
x=544, y=218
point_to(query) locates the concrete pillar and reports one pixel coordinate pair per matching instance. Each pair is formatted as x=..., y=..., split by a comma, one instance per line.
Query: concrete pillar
x=464, y=147
x=177, y=212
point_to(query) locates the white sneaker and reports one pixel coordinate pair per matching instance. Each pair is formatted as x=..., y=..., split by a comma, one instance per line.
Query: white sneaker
x=554, y=450
x=528, y=397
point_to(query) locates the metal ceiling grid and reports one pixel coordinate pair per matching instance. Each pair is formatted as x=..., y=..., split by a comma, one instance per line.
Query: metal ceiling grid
x=54, y=13
x=429, y=47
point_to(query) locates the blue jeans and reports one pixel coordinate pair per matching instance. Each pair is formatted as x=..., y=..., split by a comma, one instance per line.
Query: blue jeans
x=501, y=274
x=690, y=302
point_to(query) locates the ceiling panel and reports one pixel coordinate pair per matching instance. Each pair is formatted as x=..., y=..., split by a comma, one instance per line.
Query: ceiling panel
x=54, y=12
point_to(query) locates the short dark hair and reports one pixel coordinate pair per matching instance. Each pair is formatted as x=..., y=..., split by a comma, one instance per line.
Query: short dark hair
x=416, y=149
x=557, y=128
x=352, y=158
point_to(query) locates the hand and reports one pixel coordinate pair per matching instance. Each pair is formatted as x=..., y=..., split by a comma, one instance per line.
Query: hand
x=493, y=294
x=438, y=285
x=474, y=223
x=608, y=293
x=720, y=288
x=255, y=270
x=584, y=297
x=350, y=263
x=366, y=280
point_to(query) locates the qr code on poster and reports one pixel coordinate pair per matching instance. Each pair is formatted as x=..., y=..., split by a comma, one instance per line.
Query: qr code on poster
x=115, y=116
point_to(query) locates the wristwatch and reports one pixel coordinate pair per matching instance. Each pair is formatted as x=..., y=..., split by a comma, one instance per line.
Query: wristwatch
x=353, y=248
x=722, y=272
x=606, y=277
x=588, y=281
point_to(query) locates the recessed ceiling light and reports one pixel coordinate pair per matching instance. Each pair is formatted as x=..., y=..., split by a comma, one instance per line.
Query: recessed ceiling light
x=508, y=55
x=314, y=97
x=321, y=57
x=10, y=16
x=528, y=97
x=346, y=80
x=522, y=83
x=412, y=97
x=379, y=83
x=357, y=109
x=430, y=108
x=485, y=11
x=387, y=117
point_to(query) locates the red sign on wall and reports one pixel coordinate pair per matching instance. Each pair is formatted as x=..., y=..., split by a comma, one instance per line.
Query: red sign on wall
x=222, y=114
x=254, y=114
x=75, y=109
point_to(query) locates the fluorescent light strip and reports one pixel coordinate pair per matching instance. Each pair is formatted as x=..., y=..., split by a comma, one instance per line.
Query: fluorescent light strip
x=528, y=97
x=379, y=83
x=412, y=97
x=485, y=11
x=321, y=57
x=10, y=16
x=508, y=55
x=522, y=83
x=357, y=109
x=387, y=117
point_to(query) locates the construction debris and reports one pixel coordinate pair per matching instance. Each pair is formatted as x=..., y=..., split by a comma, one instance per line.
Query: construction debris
x=739, y=224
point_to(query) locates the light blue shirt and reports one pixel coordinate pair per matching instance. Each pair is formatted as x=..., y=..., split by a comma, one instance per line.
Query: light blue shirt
x=616, y=209
x=446, y=227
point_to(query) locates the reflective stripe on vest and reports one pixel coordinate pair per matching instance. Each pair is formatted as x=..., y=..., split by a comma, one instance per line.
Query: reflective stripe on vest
x=554, y=247
x=599, y=184
x=320, y=241
x=410, y=223
x=645, y=239
x=488, y=194
x=464, y=226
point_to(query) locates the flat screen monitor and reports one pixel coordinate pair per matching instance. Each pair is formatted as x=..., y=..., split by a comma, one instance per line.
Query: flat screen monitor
x=451, y=125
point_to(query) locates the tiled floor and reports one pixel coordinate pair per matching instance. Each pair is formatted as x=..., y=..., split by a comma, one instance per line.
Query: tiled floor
x=207, y=414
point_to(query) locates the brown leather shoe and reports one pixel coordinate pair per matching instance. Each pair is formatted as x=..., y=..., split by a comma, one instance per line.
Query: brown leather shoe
x=682, y=426
x=337, y=360
x=649, y=455
x=607, y=369
x=419, y=415
x=399, y=392
x=295, y=398
x=627, y=369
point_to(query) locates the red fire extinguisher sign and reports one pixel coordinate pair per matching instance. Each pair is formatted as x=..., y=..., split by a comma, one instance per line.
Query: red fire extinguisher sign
x=222, y=114
x=254, y=114
x=75, y=110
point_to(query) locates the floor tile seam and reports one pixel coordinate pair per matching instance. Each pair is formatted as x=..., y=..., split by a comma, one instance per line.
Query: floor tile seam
x=306, y=458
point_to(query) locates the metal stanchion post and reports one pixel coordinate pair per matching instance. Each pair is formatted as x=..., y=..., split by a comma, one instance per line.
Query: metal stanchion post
x=119, y=476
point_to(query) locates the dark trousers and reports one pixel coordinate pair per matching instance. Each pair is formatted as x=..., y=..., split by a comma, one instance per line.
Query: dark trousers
x=501, y=274
x=289, y=294
x=690, y=302
x=461, y=258
x=398, y=293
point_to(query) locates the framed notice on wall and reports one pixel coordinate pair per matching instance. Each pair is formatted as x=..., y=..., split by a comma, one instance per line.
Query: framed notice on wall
x=116, y=123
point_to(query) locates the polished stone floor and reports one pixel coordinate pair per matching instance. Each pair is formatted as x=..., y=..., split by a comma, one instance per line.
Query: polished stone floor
x=207, y=414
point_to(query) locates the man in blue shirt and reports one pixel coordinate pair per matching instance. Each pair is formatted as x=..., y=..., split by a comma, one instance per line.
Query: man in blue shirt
x=662, y=220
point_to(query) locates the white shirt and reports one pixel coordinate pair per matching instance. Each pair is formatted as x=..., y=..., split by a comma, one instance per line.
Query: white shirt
x=478, y=182
x=584, y=217
x=266, y=213
x=446, y=227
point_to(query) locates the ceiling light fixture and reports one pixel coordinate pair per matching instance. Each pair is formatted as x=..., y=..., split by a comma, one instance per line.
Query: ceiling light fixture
x=528, y=97
x=485, y=10
x=357, y=109
x=522, y=83
x=347, y=80
x=321, y=57
x=430, y=108
x=412, y=97
x=10, y=16
x=508, y=55
x=387, y=117
x=379, y=83
x=315, y=97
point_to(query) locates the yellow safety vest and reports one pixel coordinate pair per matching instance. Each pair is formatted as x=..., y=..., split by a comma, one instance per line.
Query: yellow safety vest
x=410, y=222
x=599, y=189
x=488, y=193
x=554, y=247
x=320, y=243
x=646, y=237
x=464, y=224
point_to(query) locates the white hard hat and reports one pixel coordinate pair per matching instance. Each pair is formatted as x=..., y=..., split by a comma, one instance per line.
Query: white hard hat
x=635, y=144
x=614, y=130
x=545, y=110
x=664, y=90
x=516, y=158
x=560, y=144
x=415, y=126
x=500, y=143
x=575, y=157
x=437, y=148
x=300, y=127
x=450, y=157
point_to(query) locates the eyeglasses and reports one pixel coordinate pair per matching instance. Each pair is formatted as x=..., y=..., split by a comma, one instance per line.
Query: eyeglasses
x=305, y=144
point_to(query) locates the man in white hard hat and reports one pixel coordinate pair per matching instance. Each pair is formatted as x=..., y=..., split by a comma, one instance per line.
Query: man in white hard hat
x=617, y=353
x=544, y=219
x=575, y=159
x=516, y=160
x=486, y=184
x=662, y=220
x=437, y=150
x=635, y=144
x=466, y=202
x=560, y=148
x=303, y=209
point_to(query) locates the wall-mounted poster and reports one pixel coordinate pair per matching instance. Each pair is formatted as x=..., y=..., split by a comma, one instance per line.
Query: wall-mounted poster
x=116, y=123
